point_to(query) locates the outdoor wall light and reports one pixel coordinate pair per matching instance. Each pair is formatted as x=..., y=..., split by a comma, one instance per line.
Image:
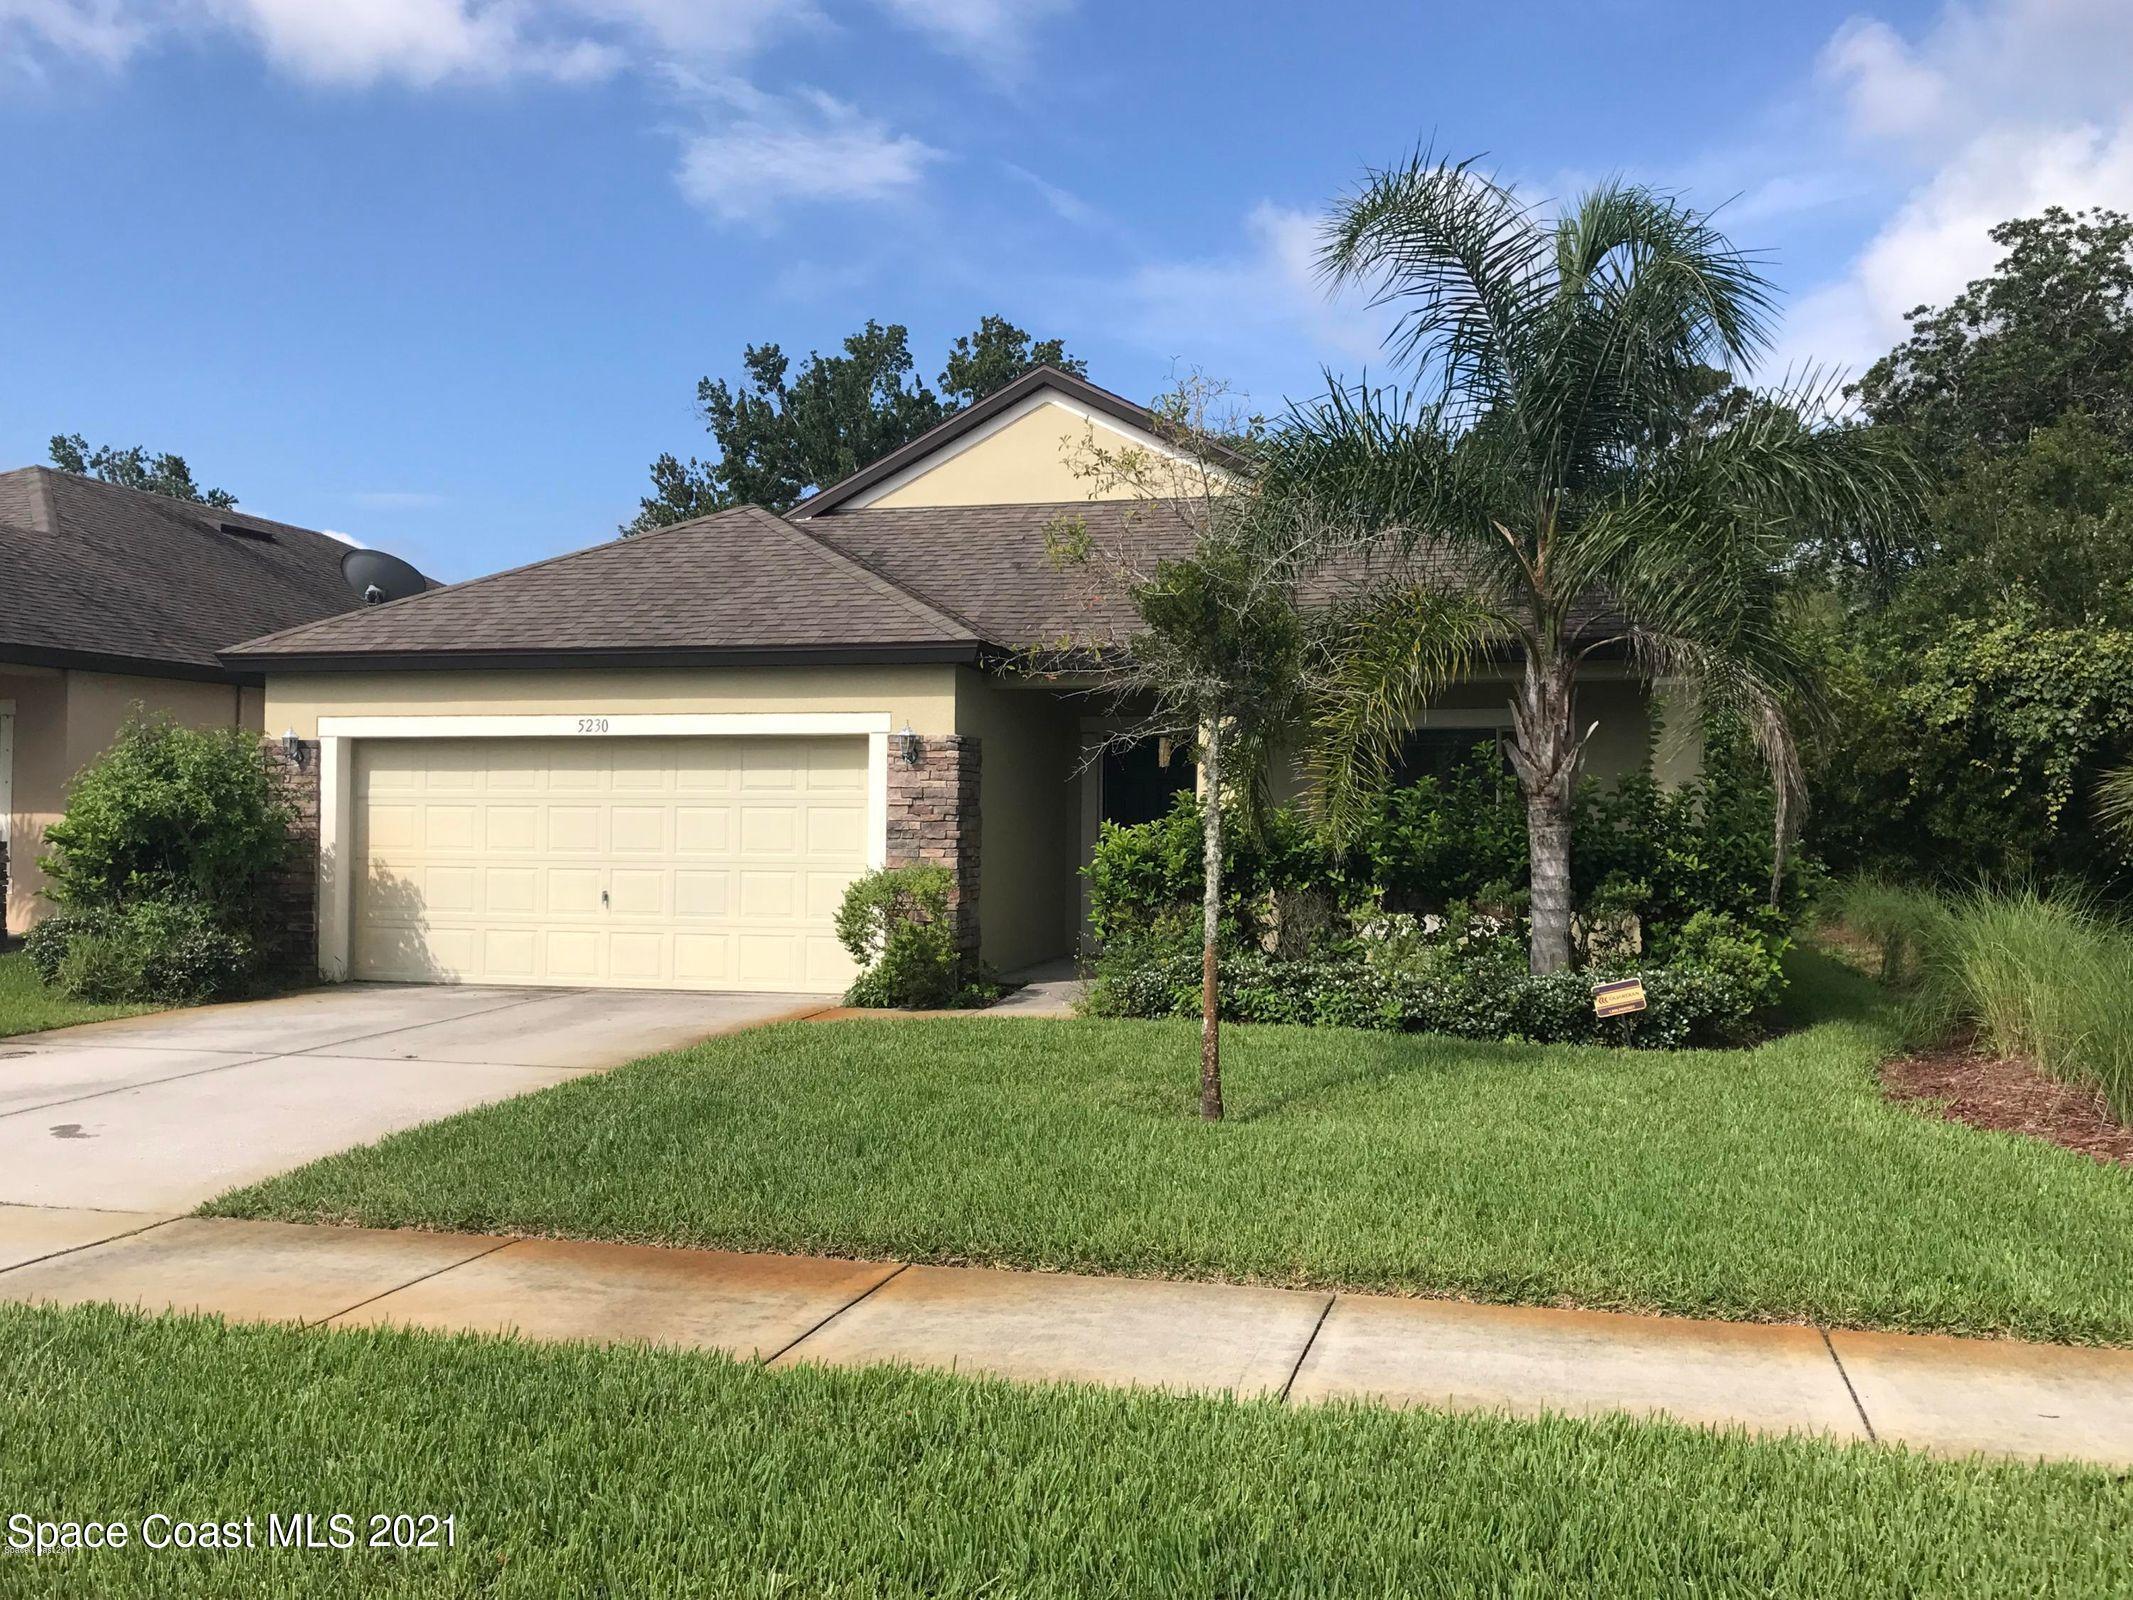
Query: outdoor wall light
x=293, y=748
x=907, y=745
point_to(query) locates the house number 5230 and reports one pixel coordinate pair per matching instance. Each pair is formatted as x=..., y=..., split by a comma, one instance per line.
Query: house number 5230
x=592, y=724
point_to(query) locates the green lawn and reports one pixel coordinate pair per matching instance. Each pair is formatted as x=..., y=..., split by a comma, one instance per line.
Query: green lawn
x=577, y=1470
x=27, y=1006
x=1772, y=1183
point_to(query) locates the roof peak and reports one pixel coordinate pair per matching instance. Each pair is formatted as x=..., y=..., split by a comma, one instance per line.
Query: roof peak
x=975, y=415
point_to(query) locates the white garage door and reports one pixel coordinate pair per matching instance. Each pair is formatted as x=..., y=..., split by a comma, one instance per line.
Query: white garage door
x=694, y=863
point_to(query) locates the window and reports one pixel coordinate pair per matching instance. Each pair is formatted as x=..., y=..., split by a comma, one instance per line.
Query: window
x=1434, y=752
x=1137, y=787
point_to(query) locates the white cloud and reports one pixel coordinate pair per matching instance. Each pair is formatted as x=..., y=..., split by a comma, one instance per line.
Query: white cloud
x=994, y=34
x=36, y=32
x=767, y=152
x=417, y=42
x=420, y=42
x=1227, y=313
x=1994, y=111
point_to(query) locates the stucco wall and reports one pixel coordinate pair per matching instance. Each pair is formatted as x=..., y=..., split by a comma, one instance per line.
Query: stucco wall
x=923, y=696
x=1030, y=460
x=63, y=720
x=1029, y=905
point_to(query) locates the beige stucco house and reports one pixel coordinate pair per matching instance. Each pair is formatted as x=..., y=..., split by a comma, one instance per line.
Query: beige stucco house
x=111, y=599
x=659, y=761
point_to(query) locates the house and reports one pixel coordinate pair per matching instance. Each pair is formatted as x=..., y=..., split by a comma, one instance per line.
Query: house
x=659, y=761
x=111, y=598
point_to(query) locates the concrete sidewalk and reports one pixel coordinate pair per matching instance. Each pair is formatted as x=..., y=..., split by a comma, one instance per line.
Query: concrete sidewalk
x=1946, y=1395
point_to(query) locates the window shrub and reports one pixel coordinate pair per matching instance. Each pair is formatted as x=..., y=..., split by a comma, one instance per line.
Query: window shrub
x=898, y=924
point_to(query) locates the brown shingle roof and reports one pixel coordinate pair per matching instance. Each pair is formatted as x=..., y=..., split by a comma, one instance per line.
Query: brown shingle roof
x=993, y=564
x=97, y=575
x=739, y=584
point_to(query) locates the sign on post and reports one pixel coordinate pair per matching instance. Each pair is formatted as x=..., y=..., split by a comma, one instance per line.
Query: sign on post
x=1618, y=999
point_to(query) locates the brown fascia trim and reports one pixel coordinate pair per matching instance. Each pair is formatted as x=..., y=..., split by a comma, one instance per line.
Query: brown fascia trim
x=1116, y=407
x=36, y=655
x=886, y=655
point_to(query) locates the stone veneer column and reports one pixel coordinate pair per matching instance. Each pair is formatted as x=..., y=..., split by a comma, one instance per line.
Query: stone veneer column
x=933, y=819
x=292, y=892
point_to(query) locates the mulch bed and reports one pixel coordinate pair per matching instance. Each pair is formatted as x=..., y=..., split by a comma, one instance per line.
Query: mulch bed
x=2009, y=1096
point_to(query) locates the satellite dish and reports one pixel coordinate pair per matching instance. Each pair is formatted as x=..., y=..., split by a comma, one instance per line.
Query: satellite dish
x=378, y=577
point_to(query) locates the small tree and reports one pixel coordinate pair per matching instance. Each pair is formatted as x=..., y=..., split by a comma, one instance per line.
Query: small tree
x=1217, y=659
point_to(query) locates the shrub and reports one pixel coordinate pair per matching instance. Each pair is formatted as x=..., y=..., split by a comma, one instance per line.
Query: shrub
x=159, y=867
x=897, y=923
x=169, y=951
x=1150, y=873
x=1646, y=859
x=1464, y=974
x=170, y=813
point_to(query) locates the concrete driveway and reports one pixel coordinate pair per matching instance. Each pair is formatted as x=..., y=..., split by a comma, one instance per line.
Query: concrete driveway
x=157, y=1114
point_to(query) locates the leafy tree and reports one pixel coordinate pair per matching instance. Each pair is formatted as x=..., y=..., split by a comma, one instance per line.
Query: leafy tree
x=2048, y=333
x=784, y=431
x=1218, y=659
x=2046, y=525
x=1560, y=485
x=995, y=356
x=134, y=468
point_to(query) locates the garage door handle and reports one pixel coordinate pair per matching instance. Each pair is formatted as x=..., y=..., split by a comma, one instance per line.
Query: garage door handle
x=603, y=897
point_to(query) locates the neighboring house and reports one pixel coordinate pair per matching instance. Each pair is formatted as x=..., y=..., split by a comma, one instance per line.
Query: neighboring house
x=659, y=762
x=111, y=598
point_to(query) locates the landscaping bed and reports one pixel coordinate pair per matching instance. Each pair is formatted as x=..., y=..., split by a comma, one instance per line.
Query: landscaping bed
x=579, y=1470
x=1773, y=1183
x=2007, y=1095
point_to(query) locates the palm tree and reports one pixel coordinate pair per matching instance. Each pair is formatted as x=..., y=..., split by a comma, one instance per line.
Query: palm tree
x=1560, y=485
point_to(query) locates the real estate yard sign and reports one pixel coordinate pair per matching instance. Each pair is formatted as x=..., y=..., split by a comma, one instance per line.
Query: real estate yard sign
x=1618, y=999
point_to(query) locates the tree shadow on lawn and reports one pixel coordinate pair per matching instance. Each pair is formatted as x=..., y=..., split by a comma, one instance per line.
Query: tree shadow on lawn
x=1365, y=1058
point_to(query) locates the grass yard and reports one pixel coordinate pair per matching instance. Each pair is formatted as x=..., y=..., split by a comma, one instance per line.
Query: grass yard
x=27, y=1006
x=578, y=1470
x=1767, y=1184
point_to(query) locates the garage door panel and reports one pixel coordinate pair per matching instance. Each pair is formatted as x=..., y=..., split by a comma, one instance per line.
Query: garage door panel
x=575, y=828
x=702, y=894
x=838, y=831
x=571, y=891
x=642, y=830
x=640, y=892
x=510, y=954
x=511, y=891
x=703, y=830
x=769, y=830
x=511, y=828
x=721, y=860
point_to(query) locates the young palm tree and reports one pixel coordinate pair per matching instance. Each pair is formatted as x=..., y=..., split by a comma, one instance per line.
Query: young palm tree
x=1559, y=485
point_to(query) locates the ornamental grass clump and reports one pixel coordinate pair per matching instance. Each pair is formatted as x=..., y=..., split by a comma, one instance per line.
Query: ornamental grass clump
x=2046, y=977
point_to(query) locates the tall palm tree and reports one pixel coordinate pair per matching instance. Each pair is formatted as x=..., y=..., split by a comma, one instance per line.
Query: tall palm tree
x=1558, y=484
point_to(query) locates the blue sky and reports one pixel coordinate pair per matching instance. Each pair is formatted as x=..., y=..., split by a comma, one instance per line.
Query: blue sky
x=442, y=274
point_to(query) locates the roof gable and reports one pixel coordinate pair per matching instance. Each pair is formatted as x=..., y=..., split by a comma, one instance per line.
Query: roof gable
x=1014, y=447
